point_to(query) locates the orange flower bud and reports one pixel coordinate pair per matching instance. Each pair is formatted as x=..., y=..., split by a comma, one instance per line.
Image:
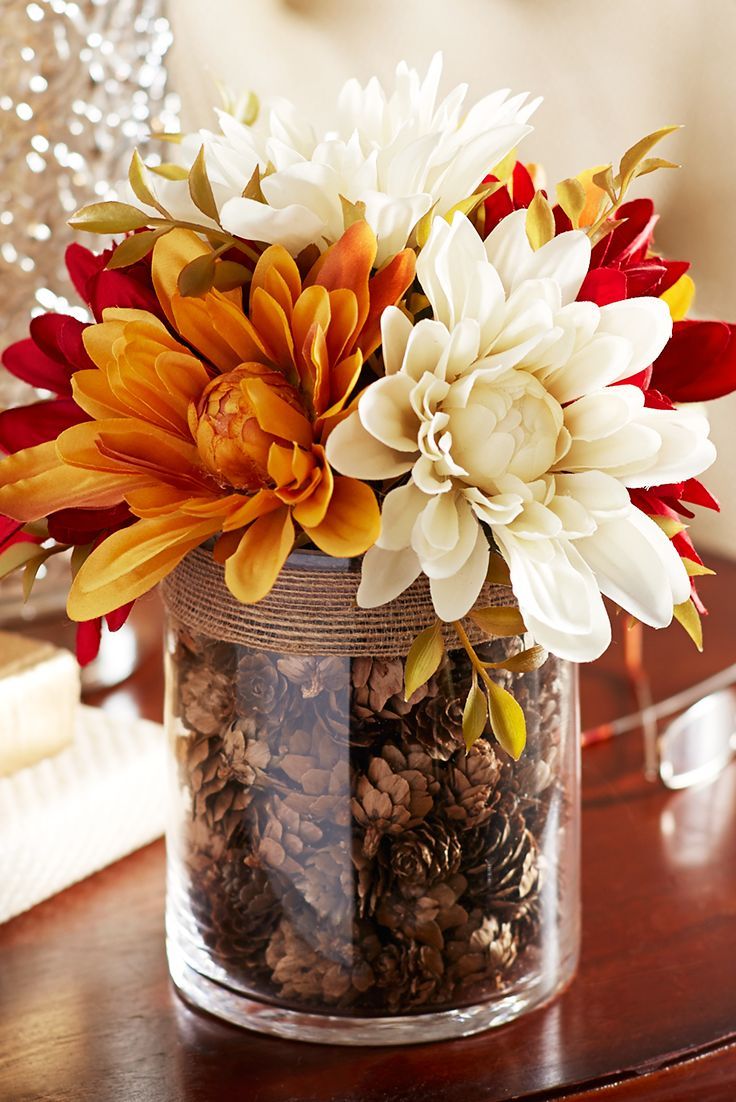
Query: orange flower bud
x=230, y=441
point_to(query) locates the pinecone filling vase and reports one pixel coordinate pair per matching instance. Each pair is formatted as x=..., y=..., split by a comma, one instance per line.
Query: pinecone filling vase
x=341, y=868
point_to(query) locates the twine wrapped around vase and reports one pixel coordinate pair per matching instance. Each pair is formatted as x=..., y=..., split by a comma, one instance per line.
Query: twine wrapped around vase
x=312, y=609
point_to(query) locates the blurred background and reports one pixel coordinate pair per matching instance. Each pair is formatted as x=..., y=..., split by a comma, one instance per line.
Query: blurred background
x=610, y=73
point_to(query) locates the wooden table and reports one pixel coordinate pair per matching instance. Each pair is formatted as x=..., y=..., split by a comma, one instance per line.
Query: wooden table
x=87, y=1013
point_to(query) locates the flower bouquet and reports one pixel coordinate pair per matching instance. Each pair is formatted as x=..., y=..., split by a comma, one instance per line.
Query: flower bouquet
x=390, y=418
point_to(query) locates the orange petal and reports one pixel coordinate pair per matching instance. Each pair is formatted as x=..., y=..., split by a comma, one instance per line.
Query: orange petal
x=311, y=512
x=276, y=259
x=92, y=393
x=127, y=445
x=262, y=503
x=348, y=263
x=252, y=570
x=289, y=466
x=352, y=523
x=193, y=320
x=343, y=324
x=273, y=328
x=386, y=289
x=35, y=482
x=277, y=417
x=132, y=561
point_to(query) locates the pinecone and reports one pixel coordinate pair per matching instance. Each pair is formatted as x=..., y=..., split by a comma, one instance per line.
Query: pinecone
x=321, y=971
x=262, y=691
x=207, y=698
x=327, y=884
x=424, y=855
x=478, y=955
x=237, y=912
x=377, y=704
x=393, y=796
x=501, y=861
x=219, y=797
x=314, y=675
x=408, y=974
x=471, y=785
x=437, y=725
x=283, y=840
x=425, y=919
x=317, y=772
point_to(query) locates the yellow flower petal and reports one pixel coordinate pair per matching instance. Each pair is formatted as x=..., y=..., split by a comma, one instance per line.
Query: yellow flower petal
x=251, y=571
x=679, y=297
x=133, y=560
x=35, y=482
x=352, y=523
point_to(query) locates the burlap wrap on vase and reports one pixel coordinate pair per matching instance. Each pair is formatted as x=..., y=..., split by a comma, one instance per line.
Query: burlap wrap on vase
x=312, y=609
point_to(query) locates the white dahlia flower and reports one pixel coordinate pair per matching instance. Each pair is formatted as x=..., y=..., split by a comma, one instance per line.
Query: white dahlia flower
x=507, y=414
x=401, y=153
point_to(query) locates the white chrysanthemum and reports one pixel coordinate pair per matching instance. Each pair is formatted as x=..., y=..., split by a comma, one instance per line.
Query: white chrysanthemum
x=401, y=153
x=503, y=412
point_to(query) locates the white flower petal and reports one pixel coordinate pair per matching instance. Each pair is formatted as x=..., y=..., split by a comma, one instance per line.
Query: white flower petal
x=294, y=226
x=684, y=452
x=508, y=249
x=454, y=596
x=386, y=412
x=396, y=329
x=401, y=508
x=565, y=259
x=353, y=451
x=645, y=322
x=636, y=565
x=385, y=575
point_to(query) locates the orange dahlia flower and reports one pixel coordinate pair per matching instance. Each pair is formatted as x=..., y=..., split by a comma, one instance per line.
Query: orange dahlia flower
x=217, y=422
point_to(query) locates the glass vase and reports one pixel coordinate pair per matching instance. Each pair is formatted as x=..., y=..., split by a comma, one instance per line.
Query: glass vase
x=340, y=867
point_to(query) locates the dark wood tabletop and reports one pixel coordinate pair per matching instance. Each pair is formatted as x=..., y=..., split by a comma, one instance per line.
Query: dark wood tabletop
x=87, y=1013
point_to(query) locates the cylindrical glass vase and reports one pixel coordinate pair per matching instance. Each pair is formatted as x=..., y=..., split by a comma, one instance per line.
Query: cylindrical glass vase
x=340, y=868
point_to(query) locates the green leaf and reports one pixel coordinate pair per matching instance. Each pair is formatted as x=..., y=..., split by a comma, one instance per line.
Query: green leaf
x=669, y=525
x=252, y=189
x=17, y=555
x=32, y=568
x=229, y=275
x=540, y=221
x=571, y=197
x=688, y=615
x=498, y=571
x=475, y=714
x=696, y=569
x=633, y=157
x=137, y=179
x=501, y=620
x=134, y=248
x=200, y=188
x=170, y=171
x=525, y=661
x=507, y=719
x=604, y=180
x=197, y=277
x=80, y=554
x=352, y=212
x=423, y=659
x=651, y=164
x=109, y=218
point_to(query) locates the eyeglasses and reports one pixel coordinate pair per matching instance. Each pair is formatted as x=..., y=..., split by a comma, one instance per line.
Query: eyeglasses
x=699, y=738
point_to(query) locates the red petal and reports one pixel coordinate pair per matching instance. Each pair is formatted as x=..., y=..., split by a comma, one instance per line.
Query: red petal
x=60, y=337
x=562, y=222
x=497, y=207
x=82, y=526
x=644, y=278
x=673, y=270
x=89, y=633
x=26, y=361
x=634, y=231
x=698, y=363
x=9, y=530
x=118, y=288
x=696, y=493
x=522, y=186
x=603, y=285
x=117, y=618
x=26, y=426
x=82, y=264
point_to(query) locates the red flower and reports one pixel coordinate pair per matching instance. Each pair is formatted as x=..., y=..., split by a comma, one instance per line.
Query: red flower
x=514, y=195
x=47, y=360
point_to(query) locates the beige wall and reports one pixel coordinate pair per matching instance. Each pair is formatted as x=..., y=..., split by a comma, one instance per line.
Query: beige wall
x=609, y=72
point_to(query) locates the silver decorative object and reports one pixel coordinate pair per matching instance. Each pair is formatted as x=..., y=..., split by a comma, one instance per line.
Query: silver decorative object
x=82, y=84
